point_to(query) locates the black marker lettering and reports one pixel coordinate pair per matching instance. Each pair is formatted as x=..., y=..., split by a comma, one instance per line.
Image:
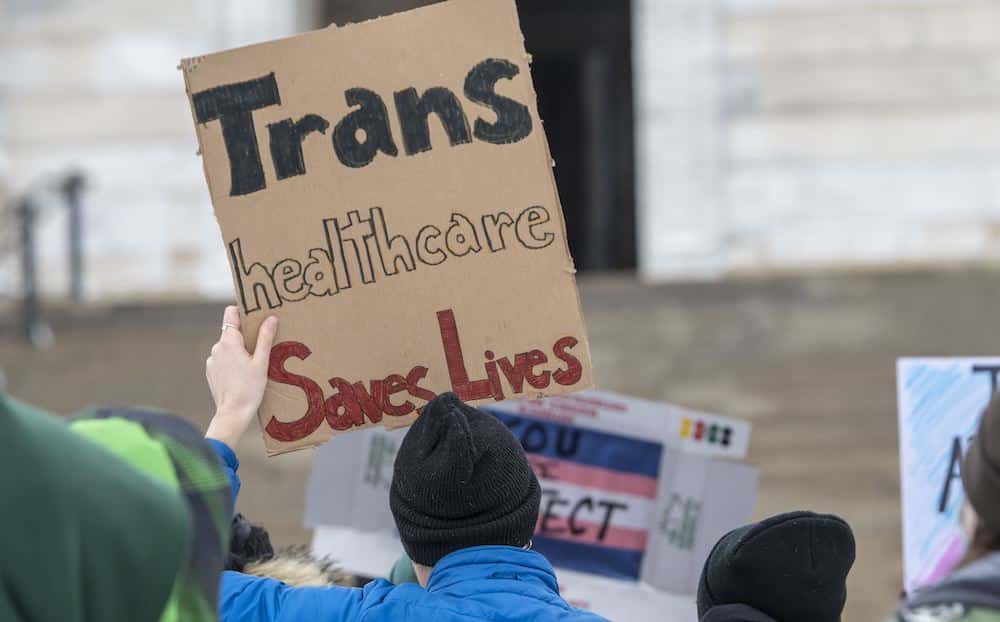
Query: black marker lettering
x=286, y=143
x=513, y=118
x=413, y=112
x=233, y=105
x=373, y=119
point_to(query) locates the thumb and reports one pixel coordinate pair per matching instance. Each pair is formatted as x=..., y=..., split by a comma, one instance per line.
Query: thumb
x=265, y=339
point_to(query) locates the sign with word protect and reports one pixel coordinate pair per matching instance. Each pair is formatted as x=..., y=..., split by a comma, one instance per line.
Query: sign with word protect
x=610, y=501
x=386, y=189
x=940, y=403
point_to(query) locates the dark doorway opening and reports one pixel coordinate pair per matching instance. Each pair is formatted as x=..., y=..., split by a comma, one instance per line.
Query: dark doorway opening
x=582, y=67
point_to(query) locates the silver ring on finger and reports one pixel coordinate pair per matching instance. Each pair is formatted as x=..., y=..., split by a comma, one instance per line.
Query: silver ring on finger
x=226, y=325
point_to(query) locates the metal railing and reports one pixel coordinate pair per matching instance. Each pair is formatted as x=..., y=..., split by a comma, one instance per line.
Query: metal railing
x=28, y=211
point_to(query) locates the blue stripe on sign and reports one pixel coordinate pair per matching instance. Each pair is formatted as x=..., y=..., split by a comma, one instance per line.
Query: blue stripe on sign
x=599, y=560
x=584, y=446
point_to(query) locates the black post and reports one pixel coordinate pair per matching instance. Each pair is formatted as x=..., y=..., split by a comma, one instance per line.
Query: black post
x=72, y=189
x=599, y=206
x=29, y=273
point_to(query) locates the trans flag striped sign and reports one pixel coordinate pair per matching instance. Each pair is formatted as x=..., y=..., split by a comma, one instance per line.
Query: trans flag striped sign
x=598, y=494
x=632, y=490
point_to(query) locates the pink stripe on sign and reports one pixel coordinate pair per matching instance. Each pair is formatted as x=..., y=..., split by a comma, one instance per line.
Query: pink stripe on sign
x=944, y=564
x=593, y=477
x=586, y=532
x=601, y=403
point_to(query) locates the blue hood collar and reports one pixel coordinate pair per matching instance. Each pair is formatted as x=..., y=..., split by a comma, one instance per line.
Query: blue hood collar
x=499, y=563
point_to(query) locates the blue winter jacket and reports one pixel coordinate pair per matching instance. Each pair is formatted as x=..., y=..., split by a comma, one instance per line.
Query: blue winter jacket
x=483, y=583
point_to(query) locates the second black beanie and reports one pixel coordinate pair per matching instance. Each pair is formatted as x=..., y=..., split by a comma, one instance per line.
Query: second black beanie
x=792, y=567
x=461, y=479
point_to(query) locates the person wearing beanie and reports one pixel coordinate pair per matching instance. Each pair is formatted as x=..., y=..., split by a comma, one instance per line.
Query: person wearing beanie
x=461, y=479
x=464, y=498
x=788, y=568
x=972, y=592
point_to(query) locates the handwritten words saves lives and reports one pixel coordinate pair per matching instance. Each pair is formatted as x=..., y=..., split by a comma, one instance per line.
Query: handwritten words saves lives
x=356, y=403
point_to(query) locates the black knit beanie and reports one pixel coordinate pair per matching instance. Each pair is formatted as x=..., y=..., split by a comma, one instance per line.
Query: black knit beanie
x=461, y=479
x=792, y=567
x=981, y=467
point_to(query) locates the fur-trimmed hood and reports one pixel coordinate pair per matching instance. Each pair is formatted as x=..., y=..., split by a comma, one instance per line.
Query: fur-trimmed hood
x=296, y=567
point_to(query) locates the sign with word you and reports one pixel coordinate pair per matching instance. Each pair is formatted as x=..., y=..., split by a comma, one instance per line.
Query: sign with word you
x=696, y=432
x=940, y=403
x=386, y=189
x=626, y=502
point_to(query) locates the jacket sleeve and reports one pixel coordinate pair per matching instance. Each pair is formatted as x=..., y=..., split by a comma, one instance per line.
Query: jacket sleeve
x=230, y=463
x=245, y=598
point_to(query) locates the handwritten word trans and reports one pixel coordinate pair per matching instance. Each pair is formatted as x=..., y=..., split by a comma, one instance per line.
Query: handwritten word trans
x=365, y=131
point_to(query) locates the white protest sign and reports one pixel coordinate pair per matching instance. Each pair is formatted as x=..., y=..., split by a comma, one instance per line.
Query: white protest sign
x=349, y=484
x=696, y=432
x=700, y=500
x=624, y=600
x=619, y=499
x=940, y=403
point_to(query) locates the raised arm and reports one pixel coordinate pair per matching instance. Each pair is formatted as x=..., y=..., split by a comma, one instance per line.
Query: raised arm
x=237, y=380
x=244, y=598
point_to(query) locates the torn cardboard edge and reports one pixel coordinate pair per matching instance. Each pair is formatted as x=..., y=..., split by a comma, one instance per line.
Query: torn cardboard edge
x=468, y=24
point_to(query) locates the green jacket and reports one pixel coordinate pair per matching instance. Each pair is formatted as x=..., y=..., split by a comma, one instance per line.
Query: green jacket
x=121, y=517
x=78, y=525
x=971, y=594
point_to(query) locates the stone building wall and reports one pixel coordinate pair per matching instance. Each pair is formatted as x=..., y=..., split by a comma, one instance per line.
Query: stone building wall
x=94, y=86
x=795, y=134
x=771, y=135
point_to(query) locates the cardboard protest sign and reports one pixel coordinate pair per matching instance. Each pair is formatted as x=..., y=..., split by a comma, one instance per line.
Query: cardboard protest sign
x=940, y=404
x=621, y=501
x=386, y=189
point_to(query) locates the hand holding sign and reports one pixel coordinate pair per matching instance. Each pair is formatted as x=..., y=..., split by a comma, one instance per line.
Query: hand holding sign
x=386, y=190
x=237, y=378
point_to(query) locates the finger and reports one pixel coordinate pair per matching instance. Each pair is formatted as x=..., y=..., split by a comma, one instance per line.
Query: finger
x=265, y=339
x=231, y=326
x=232, y=316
